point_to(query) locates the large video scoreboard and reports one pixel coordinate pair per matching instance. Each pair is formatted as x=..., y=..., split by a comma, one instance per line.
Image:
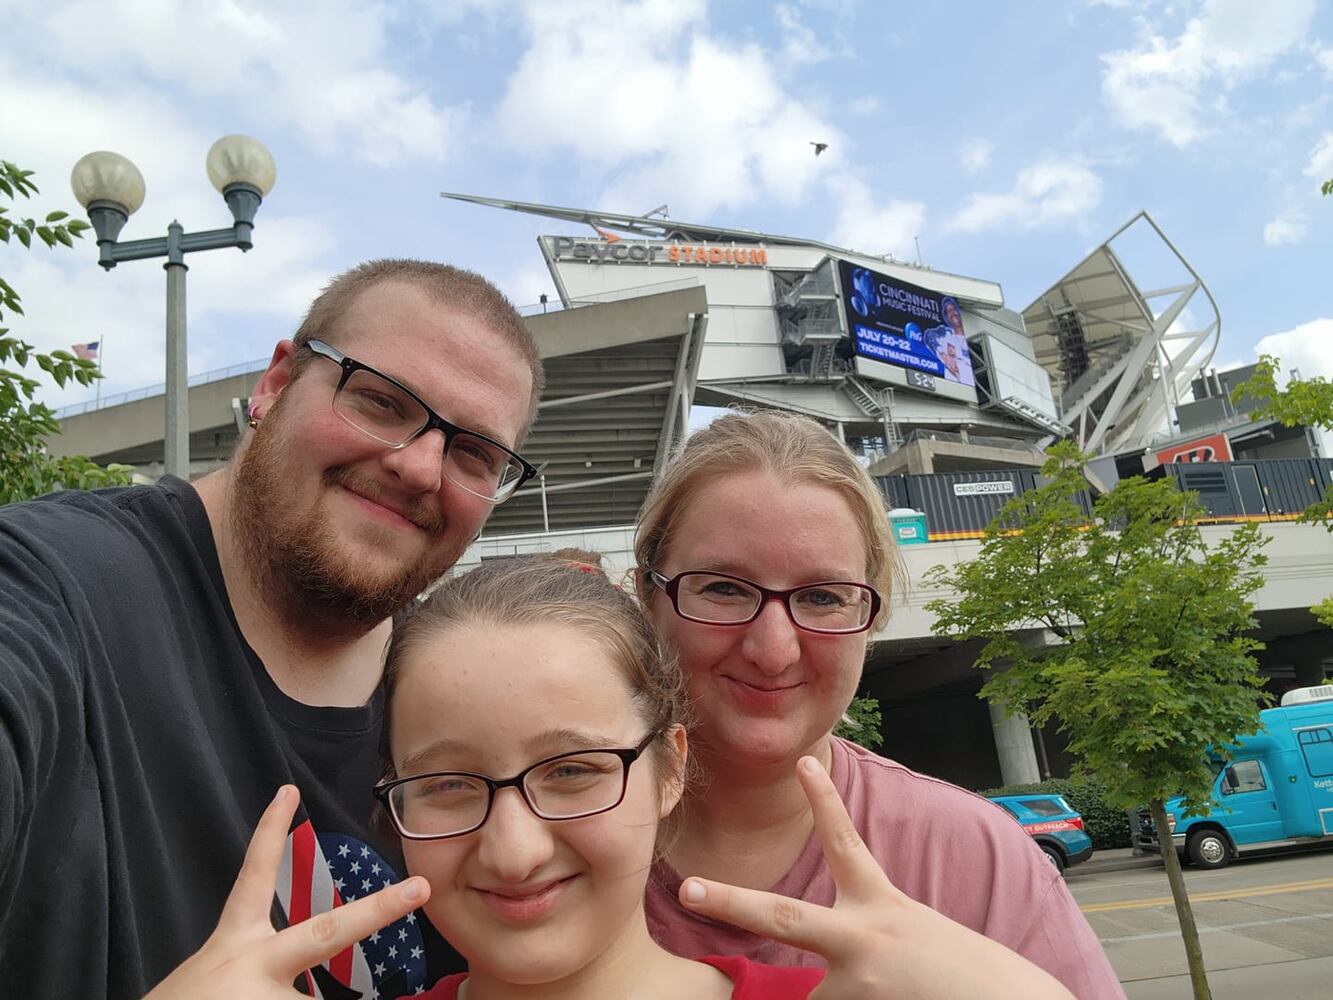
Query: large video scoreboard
x=904, y=326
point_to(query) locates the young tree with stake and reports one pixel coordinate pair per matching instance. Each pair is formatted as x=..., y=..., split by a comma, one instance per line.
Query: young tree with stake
x=1146, y=663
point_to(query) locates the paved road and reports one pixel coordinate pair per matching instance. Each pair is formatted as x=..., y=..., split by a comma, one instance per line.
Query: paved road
x=1266, y=927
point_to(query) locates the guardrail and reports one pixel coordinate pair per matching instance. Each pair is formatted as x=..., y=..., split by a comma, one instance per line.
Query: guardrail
x=248, y=367
x=159, y=389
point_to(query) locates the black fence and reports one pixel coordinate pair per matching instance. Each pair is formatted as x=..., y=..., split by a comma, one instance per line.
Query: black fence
x=962, y=504
x=1275, y=489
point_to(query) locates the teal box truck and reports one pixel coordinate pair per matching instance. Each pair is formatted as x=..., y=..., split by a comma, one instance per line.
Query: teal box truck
x=1276, y=791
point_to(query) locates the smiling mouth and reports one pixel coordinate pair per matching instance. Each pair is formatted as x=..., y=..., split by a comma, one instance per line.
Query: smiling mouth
x=369, y=491
x=524, y=906
x=762, y=689
x=385, y=510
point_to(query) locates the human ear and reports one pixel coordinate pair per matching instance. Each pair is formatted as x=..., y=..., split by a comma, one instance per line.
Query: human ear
x=673, y=784
x=277, y=376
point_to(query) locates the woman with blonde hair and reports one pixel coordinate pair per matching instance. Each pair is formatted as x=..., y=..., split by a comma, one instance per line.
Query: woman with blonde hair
x=765, y=560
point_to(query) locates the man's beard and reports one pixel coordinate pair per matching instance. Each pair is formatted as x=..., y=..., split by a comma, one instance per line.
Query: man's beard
x=298, y=564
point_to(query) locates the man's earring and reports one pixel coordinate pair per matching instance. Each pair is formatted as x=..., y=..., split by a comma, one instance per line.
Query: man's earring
x=254, y=417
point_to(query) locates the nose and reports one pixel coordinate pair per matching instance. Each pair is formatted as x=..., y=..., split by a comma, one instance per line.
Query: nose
x=772, y=642
x=514, y=842
x=419, y=467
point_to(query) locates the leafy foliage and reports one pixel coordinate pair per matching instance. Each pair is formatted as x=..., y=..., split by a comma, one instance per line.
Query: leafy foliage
x=1105, y=824
x=861, y=723
x=1149, y=664
x=1304, y=402
x=1307, y=402
x=27, y=468
x=14, y=181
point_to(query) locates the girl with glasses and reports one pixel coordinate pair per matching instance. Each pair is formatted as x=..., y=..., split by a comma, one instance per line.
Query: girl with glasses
x=535, y=749
x=765, y=560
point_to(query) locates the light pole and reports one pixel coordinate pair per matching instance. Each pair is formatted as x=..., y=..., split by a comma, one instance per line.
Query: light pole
x=111, y=188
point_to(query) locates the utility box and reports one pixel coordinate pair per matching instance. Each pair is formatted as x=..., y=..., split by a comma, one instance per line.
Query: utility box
x=908, y=526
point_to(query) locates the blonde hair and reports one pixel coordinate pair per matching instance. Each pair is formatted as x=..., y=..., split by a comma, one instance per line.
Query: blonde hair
x=793, y=448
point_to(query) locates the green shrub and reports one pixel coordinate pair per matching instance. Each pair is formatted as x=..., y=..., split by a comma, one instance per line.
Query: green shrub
x=1107, y=826
x=860, y=723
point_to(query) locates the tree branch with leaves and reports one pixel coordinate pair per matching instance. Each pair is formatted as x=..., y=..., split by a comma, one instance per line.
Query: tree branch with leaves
x=27, y=467
x=1304, y=402
x=1118, y=622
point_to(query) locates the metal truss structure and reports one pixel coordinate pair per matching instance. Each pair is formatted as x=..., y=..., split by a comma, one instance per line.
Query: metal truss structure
x=1118, y=353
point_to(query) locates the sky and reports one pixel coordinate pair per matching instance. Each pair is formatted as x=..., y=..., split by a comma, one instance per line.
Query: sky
x=1007, y=140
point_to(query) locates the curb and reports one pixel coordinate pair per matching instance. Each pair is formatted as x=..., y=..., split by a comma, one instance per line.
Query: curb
x=1096, y=867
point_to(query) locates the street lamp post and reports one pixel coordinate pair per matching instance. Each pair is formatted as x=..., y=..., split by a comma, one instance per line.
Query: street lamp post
x=111, y=188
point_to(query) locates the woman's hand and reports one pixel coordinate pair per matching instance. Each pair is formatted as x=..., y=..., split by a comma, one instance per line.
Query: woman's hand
x=246, y=957
x=878, y=941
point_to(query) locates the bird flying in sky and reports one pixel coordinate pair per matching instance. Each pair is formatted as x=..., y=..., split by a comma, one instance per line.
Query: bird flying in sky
x=819, y=147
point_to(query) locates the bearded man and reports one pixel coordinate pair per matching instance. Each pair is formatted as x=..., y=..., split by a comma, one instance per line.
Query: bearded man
x=171, y=654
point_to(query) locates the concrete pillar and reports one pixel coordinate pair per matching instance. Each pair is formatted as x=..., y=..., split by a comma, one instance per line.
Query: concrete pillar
x=1013, y=745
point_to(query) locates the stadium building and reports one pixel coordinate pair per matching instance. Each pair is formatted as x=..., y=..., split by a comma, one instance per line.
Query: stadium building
x=947, y=393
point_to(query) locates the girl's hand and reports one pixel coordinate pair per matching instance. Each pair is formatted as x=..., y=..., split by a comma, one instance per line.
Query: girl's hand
x=878, y=941
x=246, y=957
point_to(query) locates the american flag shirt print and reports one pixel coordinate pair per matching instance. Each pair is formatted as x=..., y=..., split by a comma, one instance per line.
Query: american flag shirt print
x=321, y=872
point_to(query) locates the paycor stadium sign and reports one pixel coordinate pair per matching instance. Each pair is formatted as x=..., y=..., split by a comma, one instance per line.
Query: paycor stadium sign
x=621, y=251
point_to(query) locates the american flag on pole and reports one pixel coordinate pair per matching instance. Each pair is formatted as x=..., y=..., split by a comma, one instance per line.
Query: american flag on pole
x=321, y=872
x=87, y=351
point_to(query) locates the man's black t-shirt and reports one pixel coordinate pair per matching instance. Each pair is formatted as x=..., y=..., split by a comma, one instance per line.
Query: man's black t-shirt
x=141, y=738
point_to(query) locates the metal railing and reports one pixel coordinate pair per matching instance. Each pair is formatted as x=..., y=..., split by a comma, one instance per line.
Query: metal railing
x=248, y=367
x=159, y=389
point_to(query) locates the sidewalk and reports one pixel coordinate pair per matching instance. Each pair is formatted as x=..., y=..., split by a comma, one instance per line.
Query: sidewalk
x=1120, y=859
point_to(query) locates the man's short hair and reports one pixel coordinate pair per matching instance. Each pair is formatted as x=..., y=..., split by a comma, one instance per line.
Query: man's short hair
x=464, y=291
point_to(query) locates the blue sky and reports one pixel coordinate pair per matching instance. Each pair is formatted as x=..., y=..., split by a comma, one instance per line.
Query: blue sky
x=1009, y=138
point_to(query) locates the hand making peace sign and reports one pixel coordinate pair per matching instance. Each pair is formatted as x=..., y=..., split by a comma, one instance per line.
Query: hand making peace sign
x=246, y=957
x=878, y=941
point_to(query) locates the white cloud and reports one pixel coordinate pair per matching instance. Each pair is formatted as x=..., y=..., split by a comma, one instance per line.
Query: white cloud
x=1044, y=194
x=1320, y=166
x=1308, y=347
x=801, y=46
x=327, y=73
x=1176, y=86
x=876, y=229
x=1286, y=229
x=682, y=117
x=327, y=78
x=1324, y=56
x=57, y=121
x=68, y=299
x=976, y=154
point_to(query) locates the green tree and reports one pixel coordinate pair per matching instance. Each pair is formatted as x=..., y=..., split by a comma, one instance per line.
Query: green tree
x=27, y=468
x=860, y=724
x=1303, y=403
x=1142, y=656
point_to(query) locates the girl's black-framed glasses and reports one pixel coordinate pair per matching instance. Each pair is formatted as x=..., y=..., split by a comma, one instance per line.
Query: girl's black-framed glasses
x=572, y=785
x=384, y=409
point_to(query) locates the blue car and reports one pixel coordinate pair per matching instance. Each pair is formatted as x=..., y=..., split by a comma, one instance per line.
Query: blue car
x=1057, y=829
